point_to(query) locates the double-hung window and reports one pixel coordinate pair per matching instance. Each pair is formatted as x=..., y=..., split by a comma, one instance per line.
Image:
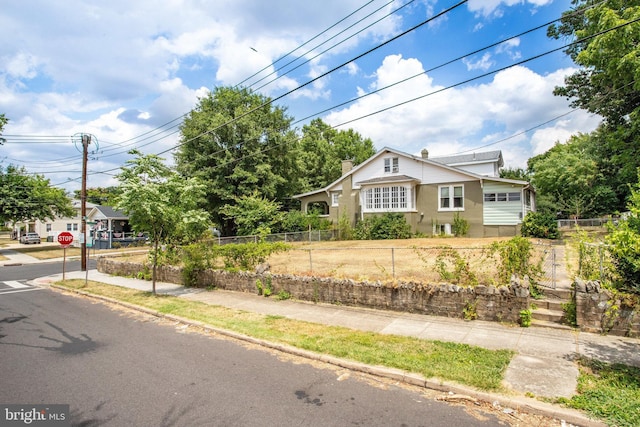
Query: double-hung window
x=451, y=197
x=391, y=165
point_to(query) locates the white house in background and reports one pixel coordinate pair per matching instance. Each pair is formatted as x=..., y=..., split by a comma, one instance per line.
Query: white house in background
x=49, y=230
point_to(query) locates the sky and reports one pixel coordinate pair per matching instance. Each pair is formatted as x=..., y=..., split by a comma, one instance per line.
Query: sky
x=126, y=72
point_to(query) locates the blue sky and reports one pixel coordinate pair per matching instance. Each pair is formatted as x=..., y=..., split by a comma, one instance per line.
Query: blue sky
x=120, y=69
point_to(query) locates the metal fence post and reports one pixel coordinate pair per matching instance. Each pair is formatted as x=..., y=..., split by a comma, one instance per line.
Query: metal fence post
x=310, y=262
x=393, y=262
x=553, y=268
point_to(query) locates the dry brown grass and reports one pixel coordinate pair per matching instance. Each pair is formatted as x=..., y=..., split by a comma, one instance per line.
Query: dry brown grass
x=383, y=260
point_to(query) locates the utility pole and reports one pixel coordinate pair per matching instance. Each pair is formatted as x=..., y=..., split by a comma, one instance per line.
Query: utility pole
x=86, y=140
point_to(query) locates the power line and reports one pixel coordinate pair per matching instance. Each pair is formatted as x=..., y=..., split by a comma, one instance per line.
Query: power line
x=307, y=42
x=330, y=47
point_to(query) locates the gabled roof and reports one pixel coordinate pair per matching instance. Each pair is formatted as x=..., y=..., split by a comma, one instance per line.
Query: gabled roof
x=432, y=161
x=387, y=179
x=109, y=212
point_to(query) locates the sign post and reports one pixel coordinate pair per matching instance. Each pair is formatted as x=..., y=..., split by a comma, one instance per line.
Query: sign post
x=65, y=239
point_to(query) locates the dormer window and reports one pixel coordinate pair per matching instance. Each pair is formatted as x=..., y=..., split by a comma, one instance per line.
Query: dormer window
x=391, y=165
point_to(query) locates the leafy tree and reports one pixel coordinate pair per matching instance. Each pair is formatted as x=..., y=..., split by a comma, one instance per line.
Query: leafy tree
x=624, y=241
x=515, y=173
x=295, y=220
x=3, y=121
x=607, y=84
x=253, y=214
x=100, y=195
x=322, y=149
x=161, y=203
x=569, y=181
x=25, y=197
x=237, y=142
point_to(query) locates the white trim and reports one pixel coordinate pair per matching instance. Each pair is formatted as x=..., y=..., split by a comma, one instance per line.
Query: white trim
x=451, y=198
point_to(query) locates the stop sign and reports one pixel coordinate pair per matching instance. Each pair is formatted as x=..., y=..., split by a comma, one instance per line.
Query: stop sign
x=65, y=239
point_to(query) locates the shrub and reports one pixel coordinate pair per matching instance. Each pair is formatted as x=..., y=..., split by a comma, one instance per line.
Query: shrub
x=624, y=239
x=247, y=256
x=387, y=226
x=460, y=225
x=540, y=225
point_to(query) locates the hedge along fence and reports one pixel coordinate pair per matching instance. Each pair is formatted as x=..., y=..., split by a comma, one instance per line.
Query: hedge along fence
x=491, y=303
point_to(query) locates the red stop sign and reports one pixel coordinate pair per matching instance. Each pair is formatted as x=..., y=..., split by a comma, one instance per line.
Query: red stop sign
x=65, y=239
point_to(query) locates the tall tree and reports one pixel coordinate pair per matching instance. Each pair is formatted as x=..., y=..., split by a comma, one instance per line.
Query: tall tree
x=322, y=149
x=161, y=203
x=25, y=197
x=569, y=181
x=608, y=81
x=237, y=142
x=608, y=84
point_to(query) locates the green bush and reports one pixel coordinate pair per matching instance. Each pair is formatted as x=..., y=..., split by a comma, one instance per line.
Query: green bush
x=540, y=225
x=380, y=227
x=295, y=221
x=460, y=225
x=247, y=256
x=624, y=241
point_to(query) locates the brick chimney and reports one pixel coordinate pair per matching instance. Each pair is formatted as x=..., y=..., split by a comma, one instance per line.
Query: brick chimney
x=347, y=165
x=425, y=153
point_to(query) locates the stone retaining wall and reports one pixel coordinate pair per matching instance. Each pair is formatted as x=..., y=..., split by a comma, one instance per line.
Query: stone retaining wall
x=486, y=302
x=599, y=310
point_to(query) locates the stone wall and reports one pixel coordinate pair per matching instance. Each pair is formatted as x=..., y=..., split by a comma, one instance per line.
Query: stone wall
x=487, y=302
x=599, y=310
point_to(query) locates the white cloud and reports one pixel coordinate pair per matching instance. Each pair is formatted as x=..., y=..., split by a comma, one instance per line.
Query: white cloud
x=454, y=120
x=488, y=8
x=483, y=63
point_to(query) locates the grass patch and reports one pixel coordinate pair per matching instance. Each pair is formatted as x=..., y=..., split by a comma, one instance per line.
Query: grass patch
x=474, y=366
x=610, y=392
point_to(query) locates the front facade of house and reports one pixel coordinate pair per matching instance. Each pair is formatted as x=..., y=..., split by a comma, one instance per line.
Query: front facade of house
x=429, y=192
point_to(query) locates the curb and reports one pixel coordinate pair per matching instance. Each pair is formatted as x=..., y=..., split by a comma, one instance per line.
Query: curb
x=517, y=403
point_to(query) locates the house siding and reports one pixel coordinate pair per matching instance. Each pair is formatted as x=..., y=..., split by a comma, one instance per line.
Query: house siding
x=428, y=214
x=503, y=213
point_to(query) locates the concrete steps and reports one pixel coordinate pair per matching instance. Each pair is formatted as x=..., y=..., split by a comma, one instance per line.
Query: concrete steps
x=549, y=312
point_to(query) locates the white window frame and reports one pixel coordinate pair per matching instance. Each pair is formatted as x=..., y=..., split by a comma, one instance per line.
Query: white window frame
x=391, y=165
x=387, y=198
x=450, y=197
x=335, y=198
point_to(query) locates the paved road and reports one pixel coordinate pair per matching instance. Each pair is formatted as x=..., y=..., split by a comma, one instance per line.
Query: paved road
x=121, y=369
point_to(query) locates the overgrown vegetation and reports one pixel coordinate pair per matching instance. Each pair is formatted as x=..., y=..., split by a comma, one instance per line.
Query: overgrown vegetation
x=516, y=257
x=453, y=268
x=624, y=242
x=201, y=256
x=540, y=225
x=390, y=225
x=460, y=225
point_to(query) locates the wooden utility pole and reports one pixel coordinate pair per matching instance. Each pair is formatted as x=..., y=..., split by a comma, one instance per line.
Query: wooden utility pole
x=86, y=140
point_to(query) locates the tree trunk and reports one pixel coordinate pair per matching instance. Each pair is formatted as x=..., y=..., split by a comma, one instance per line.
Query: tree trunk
x=155, y=263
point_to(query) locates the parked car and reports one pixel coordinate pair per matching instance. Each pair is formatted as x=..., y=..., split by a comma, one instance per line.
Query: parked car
x=30, y=238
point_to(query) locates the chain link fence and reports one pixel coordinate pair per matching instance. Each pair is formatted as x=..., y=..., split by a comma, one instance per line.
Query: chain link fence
x=458, y=265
